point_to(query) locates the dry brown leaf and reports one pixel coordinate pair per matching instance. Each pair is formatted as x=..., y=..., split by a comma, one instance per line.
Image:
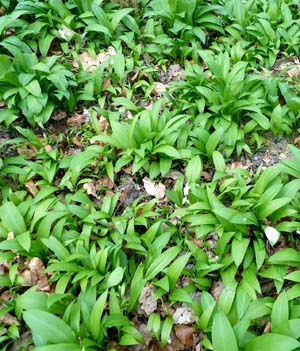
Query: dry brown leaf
x=106, y=182
x=183, y=315
x=48, y=148
x=159, y=88
x=10, y=235
x=217, y=289
x=154, y=189
x=31, y=188
x=66, y=33
x=296, y=140
x=184, y=333
x=294, y=73
x=35, y=274
x=58, y=115
x=174, y=71
x=90, y=188
x=8, y=319
x=147, y=302
x=103, y=124
x=77, y=120
x=91, y=63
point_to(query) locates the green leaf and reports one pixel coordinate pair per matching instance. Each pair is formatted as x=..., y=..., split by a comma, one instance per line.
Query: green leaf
x=223, y=338
x=167, y=150
x=5, y=65
x=288, y=257
x=11, y=218
x=269, y=207
x=161, y=262
x=46, y=328
x=227, y=297
x=166, y=330
x=218, y=161
x=98, y=28
x=194, y=170
x=24, y=240
x=59, y=347
x=127, y=340
x=280, y=314
x=276, y=119
x=115, y=277
x=96, y=314
x=238, y=249
x=118, y=63
x=176, y=269
x=213, y=141
x=294, y=276
x=34, y=88
x=272, y=342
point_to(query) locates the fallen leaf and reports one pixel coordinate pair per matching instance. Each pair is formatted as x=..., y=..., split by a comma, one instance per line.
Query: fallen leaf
x=90, y=63
x=66, y=33
x=58, y=115
x=8, y=319
x=159, y=88
x=77, y=120
x=296, y=140
x=106, y=182
x=183, y=315
x=31, y=188
x=48, y=148
x=174, y=71
x=35, y=274
x=272, y=235
x=103, y=124
x=217, y=289
x=147, y=302
x=90, y=188
x=184, y=333
x=10, y=235
x=154, y=189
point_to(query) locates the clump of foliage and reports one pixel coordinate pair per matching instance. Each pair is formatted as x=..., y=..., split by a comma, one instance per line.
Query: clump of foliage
x=80, y=237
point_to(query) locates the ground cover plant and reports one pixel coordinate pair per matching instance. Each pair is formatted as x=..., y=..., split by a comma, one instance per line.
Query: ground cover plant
x=149, y=198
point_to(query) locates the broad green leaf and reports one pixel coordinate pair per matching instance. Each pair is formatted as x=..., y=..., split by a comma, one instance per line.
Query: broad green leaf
x=11, y=218
x=127, y=340
x=227, y=297
x=276, y=119
x=5, y=65
x=115, y=277
x=99, y=28
x=294, y=276
x=280, y=314
x=34, y=88
x=176, y=269
x=193, y=170
x=272, y=342
x=223, y=338
x=47, y=328
x=59, y=347
x=269, y=207
x=167, y=150
x=218, y=161
x=161, y=262
x=118, y=63
x=24, y=240
x=238, y=249
x=288, y=257
x=257, y=309
x=166, y=330
x=213, y=141
x=96, y=315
